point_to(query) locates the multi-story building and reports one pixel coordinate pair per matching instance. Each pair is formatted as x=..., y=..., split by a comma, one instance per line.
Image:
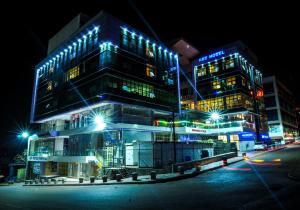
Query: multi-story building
x=228, y=81
x=281, y=110
x=99, y=91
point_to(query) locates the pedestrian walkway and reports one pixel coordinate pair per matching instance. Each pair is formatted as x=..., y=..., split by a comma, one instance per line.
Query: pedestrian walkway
x=161, y=178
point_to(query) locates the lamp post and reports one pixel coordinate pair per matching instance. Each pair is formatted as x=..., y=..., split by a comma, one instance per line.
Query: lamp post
x=215, y=116
x=25, y=136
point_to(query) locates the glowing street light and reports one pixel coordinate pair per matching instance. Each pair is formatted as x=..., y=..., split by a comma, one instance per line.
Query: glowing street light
x=215, y=116
x=25, y=134
x=99, y=122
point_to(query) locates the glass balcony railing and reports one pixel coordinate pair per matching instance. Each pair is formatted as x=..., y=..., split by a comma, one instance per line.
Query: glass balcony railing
x=185, y=123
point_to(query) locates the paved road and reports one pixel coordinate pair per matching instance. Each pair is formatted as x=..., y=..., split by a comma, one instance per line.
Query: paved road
x=261, y=183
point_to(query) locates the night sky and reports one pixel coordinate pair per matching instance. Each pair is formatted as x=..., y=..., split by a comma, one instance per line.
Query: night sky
x=270, y=30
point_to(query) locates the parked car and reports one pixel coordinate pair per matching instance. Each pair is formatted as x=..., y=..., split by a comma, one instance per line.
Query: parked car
x=297, y=140
x=260, y=146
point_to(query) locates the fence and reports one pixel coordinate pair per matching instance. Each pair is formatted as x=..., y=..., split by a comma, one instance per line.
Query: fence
x=161, y=154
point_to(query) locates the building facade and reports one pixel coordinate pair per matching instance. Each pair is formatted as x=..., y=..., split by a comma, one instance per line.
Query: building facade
x=281, y=110
x=97, y=94
x=228, y=81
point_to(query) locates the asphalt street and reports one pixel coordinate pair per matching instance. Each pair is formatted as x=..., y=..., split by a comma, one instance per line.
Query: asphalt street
x=259, y=183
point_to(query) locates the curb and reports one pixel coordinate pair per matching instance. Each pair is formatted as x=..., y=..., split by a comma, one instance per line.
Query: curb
x=162, y=180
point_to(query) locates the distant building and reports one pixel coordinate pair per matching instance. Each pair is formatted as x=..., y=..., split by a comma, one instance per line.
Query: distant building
x=281, y=110
x=228, y=80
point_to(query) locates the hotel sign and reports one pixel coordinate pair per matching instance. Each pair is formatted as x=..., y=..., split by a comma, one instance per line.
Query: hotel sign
x=212, y=56
x=37, y=158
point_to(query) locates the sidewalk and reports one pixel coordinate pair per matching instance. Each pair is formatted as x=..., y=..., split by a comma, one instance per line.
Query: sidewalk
x=161, y=178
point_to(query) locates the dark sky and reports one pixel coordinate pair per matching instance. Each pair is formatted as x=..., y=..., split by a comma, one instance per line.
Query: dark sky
x=270, y=30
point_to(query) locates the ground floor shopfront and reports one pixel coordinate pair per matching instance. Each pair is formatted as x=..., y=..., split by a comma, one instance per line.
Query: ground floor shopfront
x=89, y=153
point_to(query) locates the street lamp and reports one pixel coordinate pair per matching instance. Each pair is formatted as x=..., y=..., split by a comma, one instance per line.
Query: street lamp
x=216, y=116
x=99, y=122
x=25, y=135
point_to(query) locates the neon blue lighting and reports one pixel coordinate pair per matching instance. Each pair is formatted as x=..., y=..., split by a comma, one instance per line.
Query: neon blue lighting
x=132, y=34
x=70, y=47
x=47, y=63
x=125, y=30
x=50, y=61
x=57, y=56
x=159, y=47
x=141, y=37
x=74, y=44
x=213, y=55
x=61, y=53
x=96, y=28
x=153, y=45
x=147, y=41
x=165, y=50
x=65, y=50
x=84, y=36
x=175, y=56
x=90, y=33
x=79, y=40
x=170, y=53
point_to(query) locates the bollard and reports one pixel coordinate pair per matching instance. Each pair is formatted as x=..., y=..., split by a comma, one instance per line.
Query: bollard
x=134, y=176
x=26, y=182
x=118, y=177
x=63, y=180
x=225, y=163
x=197, y=168
x=42, y=181
x=46, y=181
x=80, y=180
x=153, y=175
x=54, y=181
x=104, y=178
x=180, y=169
x=36, y=181
x=31, y=181
x=92, y=179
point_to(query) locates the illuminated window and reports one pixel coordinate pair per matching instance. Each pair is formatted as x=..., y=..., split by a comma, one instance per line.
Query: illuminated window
x=72, y=73
x=201, y=71
x=229, y=63
x=149, y=52
x=138, y=88
x=243, y=81
x=51, y=71
x=213, y=103
x=213, y=68
x=233, y=101
x=216, y=84
x=50, y=86
x=150, y=71
x=187, y=104
x=259, y=93
x=231, y=81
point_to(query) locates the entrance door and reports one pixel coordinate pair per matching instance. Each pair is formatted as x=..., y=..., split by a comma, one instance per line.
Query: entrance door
x=73, y=169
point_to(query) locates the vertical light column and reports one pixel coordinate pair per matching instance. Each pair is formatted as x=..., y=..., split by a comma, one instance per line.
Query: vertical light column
x=33, y=102
x=178, y=85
